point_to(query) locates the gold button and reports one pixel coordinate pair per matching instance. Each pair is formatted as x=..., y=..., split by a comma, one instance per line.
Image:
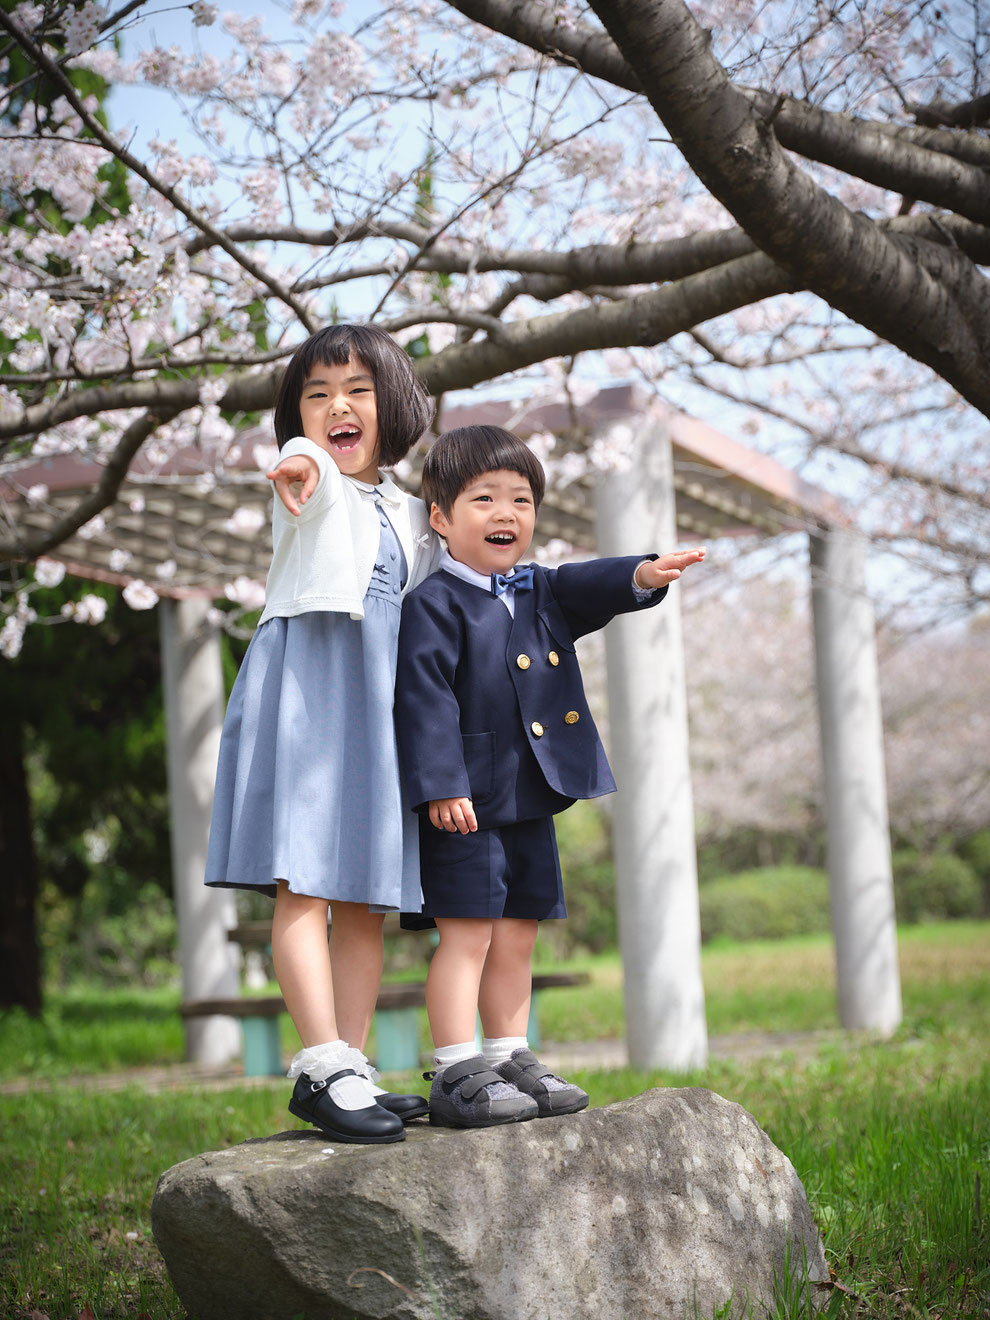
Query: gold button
x=537, y=728
x=523, y=661
x=571, y=717
x=554, y=658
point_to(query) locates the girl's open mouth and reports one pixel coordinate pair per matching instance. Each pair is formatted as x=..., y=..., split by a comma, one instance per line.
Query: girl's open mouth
x=344, y=438
x=501, y=538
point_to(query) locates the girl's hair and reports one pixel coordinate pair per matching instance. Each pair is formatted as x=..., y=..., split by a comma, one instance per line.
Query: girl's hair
x=405, y=409
x=466, y=452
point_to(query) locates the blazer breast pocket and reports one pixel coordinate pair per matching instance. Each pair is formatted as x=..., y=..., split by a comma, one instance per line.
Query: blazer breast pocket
x=479, y=761
x=552, y=618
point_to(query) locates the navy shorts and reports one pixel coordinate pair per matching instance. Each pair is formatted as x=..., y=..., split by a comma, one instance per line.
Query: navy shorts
x=507, y=871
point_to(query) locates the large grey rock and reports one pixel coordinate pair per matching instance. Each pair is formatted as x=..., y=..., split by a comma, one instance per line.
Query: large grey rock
x=667, y=1205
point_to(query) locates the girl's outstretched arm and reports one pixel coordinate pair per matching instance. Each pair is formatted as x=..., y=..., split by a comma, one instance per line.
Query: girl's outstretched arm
x=668, y=568
x=291, y=472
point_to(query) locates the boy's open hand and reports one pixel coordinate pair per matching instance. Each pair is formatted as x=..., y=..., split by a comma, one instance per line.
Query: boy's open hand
x=454, y=815
x=292, y=472
x=668, y=568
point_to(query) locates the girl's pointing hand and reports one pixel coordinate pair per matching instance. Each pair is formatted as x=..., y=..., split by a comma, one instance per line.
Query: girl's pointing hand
x=291, y=472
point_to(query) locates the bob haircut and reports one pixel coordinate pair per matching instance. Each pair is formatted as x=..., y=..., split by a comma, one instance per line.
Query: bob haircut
x=405, y=409
x=467, y=452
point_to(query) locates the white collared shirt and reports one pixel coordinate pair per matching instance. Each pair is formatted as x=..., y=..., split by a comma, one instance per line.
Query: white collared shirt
x=476, y=579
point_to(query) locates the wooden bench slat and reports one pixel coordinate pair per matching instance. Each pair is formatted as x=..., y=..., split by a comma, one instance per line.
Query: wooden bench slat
x=397, y=1025
x=394, y=994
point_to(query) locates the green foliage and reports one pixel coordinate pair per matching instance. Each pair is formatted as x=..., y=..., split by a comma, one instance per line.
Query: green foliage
x=747, y=847
x=90, y=702
x=584, y=839
x=976, y=851
x=930, y=887
x=111, y=933
x=765, y=904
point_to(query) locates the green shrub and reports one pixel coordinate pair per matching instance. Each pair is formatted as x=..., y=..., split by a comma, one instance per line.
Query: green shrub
x=585, y=844
x=768, y=903
x=934, y=886
x=99, y=938
x=976, y=851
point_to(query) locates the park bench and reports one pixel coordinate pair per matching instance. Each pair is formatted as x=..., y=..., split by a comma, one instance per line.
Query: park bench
x=396, y=1017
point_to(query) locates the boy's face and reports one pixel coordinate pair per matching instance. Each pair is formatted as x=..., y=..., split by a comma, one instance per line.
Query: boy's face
x=491, y=523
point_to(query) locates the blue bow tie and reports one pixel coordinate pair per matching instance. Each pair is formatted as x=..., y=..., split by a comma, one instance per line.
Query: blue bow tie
x=521, y=580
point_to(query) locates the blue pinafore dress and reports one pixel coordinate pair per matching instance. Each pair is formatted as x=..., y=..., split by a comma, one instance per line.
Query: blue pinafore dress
x=307, y=787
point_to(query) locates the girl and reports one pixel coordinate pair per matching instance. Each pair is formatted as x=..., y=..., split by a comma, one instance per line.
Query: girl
x=307, y=804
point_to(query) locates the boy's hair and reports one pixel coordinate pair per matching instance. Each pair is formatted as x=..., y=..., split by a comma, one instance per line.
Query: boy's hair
x=405, y=409
x=466, y=452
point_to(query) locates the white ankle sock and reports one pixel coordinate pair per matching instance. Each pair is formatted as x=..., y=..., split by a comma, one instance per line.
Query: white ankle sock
x=497, y=1049
x=445, y=1055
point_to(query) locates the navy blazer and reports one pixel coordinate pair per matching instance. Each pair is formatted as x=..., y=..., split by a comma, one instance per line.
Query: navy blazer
x=491, y=706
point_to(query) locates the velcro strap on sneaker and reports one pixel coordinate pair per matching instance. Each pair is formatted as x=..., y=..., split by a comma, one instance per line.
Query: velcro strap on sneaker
x=525, y=1063
x=474, y=1073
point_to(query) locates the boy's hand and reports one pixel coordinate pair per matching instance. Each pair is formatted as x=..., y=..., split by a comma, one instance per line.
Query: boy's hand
x=668, y=568
x=290, y=472
x=454, y=814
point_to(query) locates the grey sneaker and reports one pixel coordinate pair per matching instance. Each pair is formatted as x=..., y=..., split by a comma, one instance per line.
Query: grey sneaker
x=552, y=1094
x=470, y=1095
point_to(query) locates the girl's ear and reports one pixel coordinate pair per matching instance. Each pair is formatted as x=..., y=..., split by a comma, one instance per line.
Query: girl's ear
x=437, y=520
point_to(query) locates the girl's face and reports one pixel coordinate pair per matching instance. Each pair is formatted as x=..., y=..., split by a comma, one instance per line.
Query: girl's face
x=339, y=413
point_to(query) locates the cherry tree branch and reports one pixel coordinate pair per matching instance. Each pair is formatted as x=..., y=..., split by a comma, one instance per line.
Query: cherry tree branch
x=909, y=164
x=18, y=546
x=41, y=60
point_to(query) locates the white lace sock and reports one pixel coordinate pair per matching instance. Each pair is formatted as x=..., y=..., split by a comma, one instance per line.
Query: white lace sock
x=371, y=1074
x=319, y=1062
x=498, y=1049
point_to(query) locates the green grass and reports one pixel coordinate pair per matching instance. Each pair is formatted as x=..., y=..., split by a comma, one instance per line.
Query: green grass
x=891, y=1140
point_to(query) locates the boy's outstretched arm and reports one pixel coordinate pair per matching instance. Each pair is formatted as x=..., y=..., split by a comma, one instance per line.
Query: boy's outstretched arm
x=668, y=568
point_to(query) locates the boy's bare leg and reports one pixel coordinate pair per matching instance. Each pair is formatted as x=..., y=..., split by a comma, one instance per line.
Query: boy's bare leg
x=506, y=990
x=454, y=978
x=302, y=964
x=507, y=980
x=356, y=955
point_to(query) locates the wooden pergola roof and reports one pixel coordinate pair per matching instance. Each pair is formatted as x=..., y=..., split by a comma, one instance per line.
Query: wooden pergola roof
x=179, y=511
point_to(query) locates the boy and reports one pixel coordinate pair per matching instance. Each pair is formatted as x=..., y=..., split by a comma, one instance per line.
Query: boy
x=495, y=737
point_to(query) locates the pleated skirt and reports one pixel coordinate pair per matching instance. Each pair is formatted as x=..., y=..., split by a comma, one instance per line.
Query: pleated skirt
x=307, y=786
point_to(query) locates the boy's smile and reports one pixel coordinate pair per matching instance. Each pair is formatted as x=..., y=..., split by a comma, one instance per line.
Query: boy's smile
x=339, y=413
x=491, y=522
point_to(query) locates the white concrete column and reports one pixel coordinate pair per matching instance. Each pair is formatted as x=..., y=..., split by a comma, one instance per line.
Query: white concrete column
x=858, y=838
x=653, y=814
x=194, y=706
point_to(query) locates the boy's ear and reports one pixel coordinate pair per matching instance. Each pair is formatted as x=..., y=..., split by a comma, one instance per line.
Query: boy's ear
x=437, y=520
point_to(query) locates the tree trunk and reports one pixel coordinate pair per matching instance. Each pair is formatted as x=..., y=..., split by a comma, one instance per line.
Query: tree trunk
x=20, y=962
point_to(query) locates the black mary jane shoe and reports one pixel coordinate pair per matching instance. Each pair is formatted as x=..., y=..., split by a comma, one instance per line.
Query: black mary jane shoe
x=371, y=1125
x=406, y=1107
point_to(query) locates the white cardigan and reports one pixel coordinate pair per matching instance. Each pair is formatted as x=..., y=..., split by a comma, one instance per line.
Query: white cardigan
x=324, y=558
